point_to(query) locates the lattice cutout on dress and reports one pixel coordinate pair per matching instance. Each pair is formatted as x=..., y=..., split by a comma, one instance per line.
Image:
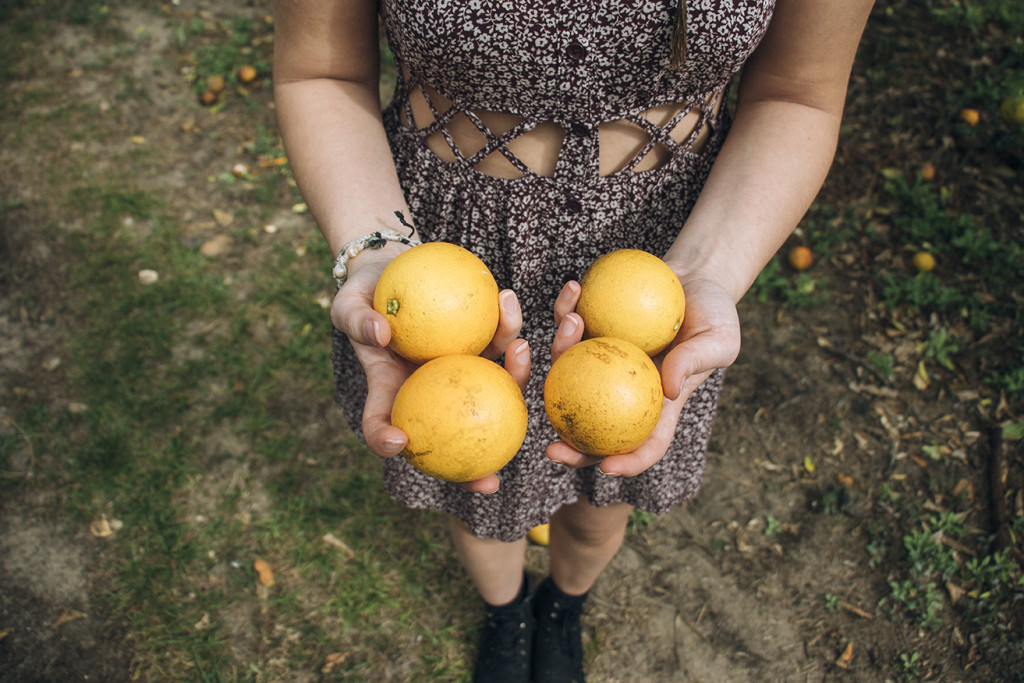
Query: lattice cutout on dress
x=506, y=145
x=654, y=136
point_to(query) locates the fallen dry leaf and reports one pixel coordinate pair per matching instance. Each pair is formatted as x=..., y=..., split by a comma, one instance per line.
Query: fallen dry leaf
x=843, y=662
x=4, y=632
x=921, y=379
x=332, y=661
x=103, y=527
x=203, y=623
x=964, y=486
x=275, y=161
x=853, y=609
x=218, y=245
x=264, y=571
x=69, y=615
x=331, y=539
x=223, y=218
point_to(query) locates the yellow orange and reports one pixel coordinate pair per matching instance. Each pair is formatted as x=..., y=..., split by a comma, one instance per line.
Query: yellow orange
x=465, y=417
x=632, y=295
x=801, y=258
x=971, y=116
x=540, y=534
x=1012, y=110
x=247, y=73
x=439, y=299
x=924, y=261
x=603, y=396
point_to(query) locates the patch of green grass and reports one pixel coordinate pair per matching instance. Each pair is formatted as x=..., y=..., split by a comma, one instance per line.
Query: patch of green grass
x=192, y=440
x=930, y=562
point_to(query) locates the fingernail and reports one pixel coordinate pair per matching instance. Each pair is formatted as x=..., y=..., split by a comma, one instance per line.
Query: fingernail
x=568, y=326
x=522, y=350
x=569, y=290
x=607, y=474
x=372, y=330
x=508, y=302
x=394, y=444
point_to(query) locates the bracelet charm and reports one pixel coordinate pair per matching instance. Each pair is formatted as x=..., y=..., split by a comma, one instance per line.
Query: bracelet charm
x=373, y=240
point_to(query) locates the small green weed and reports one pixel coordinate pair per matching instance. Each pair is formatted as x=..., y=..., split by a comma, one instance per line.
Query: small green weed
x=638, y=521
x=908, y=666
x=773, y=526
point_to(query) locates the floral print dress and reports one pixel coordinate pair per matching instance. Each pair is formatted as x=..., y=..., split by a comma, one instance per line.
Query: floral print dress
x=571, y=67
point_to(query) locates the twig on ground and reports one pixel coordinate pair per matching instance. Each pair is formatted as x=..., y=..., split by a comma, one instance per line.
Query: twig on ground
x=997, y=473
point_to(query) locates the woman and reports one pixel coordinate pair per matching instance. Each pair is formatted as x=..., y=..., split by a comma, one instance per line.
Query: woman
x=541, y=136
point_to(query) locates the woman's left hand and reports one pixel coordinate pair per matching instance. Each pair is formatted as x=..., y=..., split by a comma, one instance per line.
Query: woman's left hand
x=708, y=339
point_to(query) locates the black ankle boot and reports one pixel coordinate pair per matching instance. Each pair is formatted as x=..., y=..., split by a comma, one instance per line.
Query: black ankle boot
x=506, y=641
x=557, y=642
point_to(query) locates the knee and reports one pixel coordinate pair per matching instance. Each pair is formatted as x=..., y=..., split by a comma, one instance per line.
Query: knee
x=591, y=526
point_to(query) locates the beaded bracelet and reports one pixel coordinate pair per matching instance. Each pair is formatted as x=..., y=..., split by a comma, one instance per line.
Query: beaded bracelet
x=374, y=240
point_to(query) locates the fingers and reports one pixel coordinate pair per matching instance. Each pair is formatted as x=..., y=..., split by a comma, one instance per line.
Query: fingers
x=650, y=451
x=567, y=299
x=517, y=362
x=352, y=313
x=628, y=464
x=510, y=321
x=385, y=375
x=570, y=331
x=690, y=363
x=563, y=453
x=488, y=484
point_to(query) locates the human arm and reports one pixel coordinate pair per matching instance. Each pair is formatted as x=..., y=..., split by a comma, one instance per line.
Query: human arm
x=769, y=170
x=326, y=90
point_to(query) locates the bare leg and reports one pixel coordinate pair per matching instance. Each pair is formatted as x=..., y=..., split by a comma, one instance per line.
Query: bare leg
x=494, y=567
x=584, y=539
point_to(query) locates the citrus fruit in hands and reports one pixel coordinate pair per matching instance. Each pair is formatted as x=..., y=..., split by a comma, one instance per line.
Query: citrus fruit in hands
x=603, y=396
x=465, y=417
x=440, y=300
x=632, y=295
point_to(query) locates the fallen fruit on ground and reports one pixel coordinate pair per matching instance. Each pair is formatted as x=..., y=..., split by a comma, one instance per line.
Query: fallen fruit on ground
x=540, y=534
x=440, y=300
x=465, y=417
x=215, y=83
x=603, y=396
x=928, y=172
x=247, y=73
x=1012, y=110
x=632, y=295
x=801, y=258
x=971, y=116
x=924, y=261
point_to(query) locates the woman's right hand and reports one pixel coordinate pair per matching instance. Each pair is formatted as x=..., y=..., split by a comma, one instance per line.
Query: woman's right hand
x=369, y=332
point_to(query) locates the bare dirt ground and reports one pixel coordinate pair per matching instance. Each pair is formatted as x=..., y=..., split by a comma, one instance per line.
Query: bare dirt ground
x=729, y=587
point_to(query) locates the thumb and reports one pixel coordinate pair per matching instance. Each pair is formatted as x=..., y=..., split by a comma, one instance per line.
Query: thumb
x=698, y=355
x=357, y=320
